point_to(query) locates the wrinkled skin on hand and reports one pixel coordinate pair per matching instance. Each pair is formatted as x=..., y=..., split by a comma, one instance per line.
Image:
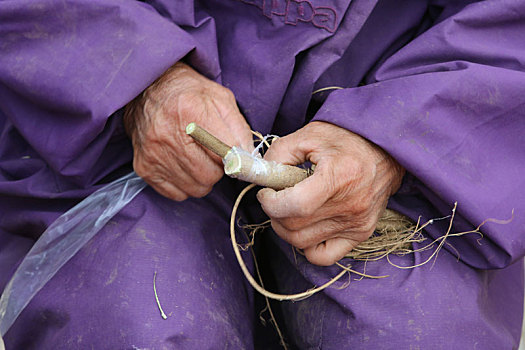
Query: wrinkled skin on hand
x=164, y=156
x=338, y=207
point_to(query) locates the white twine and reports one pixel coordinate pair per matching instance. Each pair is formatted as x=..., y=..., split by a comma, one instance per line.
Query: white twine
x=260, y=167
x=263, y=141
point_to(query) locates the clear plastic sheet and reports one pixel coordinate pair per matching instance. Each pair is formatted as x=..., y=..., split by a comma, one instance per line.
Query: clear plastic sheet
x=61, y=241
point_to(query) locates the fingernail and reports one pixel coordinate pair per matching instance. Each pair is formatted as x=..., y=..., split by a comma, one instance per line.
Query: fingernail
x=263, y=194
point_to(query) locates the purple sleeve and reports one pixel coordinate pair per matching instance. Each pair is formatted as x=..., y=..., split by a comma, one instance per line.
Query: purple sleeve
x=450, y=107
x=67, y=66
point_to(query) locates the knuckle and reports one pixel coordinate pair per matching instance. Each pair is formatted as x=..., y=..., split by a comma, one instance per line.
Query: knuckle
x=168, y=190
x=207, y=177
x=360, y=207
x=294, y=239
x=292, y=224
x=335, y=226
x=200, y=191
x=368, y=227
x=298, y=242
x=320, y=259
x=185, y=105
x=179, y=196
x=188, y=103
x=353, y=168
x=141, y=169
x=226, y=93
x=300, y=239
x=155, y=180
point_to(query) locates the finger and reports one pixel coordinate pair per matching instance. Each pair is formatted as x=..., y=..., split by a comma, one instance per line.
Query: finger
x=334, y=213
x=189, y=184
x=201, y=168
x=241, y=131
x=172, y=190
x=195, y=108
x=169, y=177
x=329, y=252
x=302, y=200
x=234, y=130
x=322, y=230
x=300, y=239
x=168, y=190
x=181, y=159
x=228, y=110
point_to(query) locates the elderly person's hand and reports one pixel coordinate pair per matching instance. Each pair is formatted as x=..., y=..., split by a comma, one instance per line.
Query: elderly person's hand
x=338, y=207
x=164, y=156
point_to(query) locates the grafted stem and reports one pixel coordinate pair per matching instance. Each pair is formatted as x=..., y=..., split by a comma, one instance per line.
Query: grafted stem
x=243, y=166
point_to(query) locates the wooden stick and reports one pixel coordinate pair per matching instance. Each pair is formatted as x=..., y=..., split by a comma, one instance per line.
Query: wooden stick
x=207, y=140
x=244, y=166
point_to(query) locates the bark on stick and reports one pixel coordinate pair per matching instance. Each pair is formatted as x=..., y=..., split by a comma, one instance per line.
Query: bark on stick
x=243, y=166
x=207, y=140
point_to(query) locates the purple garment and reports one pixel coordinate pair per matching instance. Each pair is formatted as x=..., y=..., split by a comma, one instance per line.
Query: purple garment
x=439, y=85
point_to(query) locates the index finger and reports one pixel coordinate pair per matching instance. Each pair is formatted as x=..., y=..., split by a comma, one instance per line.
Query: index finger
x=301, y=200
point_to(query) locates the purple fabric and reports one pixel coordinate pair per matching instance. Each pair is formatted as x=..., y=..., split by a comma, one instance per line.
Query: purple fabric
x=438, y=84
x=446, y=305
x=104, y=299
x=455, y=120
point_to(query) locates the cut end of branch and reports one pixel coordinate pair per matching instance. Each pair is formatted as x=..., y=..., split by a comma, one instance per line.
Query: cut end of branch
x=207, y=140
x=190, y=128
x=232, y=164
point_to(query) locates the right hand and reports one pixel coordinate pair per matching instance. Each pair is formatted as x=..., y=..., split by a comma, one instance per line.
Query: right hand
x=334, y=210
x=164, y=156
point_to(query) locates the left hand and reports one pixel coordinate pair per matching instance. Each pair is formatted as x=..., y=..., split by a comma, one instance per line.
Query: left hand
x=163, y=155
x=335, y=209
